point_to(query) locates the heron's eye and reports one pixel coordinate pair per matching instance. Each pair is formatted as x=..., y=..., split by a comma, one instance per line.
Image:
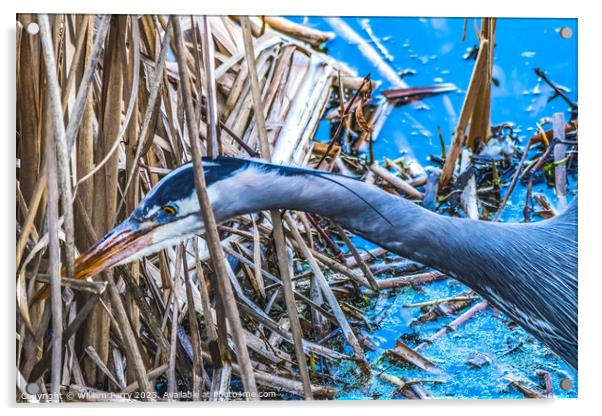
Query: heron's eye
x=169, y=210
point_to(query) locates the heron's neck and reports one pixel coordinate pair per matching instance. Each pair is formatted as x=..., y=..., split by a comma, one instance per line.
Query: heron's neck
x=464, y=248
x=529, y=271
x=387, y=220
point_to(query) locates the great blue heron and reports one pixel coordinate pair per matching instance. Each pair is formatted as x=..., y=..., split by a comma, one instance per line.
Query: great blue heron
x=528, y=271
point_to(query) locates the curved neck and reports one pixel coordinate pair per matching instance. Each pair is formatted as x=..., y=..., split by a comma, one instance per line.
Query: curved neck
x=529, y=271
x=470, y=250
x=392, y=222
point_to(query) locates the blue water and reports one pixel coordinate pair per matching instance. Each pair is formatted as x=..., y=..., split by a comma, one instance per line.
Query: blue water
x=433, y=50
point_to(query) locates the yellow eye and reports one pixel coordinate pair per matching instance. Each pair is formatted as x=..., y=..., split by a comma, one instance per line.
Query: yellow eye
x=169, y=210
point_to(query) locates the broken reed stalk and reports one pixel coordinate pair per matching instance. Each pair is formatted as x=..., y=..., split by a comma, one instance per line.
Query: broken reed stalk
x=337, y=267
x=405, y=353
x=28, y=224
x=559, y=160
x=82, y=35
x=398, y=183
x=101, y=365
x=411, y=280
x=476, y=81
x=479, y=307
x=410, y=389
x=96, y=288
x=212, y=119
x=279, y=238
x=358, y=258
x=524, y=389
x=212, y=236
x=28, y=98
x=195, y=332
x=468, y=199
x=60, y=141
x=295, y=30
x=173, y=342
x=257, y=271
x=459, y=298
x=255, y=89
x=56, y=303
x=479, y=124
x=365, y=256
x=285, y=275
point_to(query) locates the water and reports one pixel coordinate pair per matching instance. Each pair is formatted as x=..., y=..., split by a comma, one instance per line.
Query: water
x=432, y=49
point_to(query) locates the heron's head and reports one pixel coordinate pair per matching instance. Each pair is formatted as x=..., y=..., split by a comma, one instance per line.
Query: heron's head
x=168, y=214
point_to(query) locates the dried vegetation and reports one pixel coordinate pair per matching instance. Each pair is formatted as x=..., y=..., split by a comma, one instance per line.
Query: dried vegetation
x=107, y=105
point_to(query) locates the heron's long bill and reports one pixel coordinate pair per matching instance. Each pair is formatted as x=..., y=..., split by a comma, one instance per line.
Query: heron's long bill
x=119, y=244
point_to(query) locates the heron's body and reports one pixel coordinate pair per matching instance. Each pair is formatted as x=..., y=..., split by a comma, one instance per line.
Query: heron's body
x=529, y=271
